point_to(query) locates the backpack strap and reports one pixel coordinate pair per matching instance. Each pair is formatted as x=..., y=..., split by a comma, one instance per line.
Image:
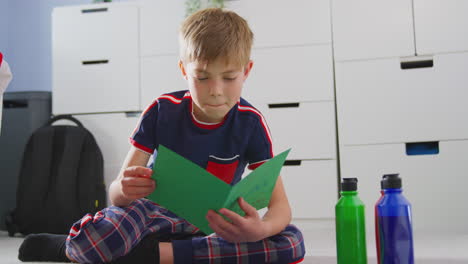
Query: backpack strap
x=64, y=117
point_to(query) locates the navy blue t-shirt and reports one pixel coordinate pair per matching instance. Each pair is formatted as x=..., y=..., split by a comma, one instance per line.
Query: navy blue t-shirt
x=223, y=149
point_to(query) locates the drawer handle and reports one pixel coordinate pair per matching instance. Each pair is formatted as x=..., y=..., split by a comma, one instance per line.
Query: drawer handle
x=132, y=114
x=405, y=65
x=94, y=10
x=15, y=104
x=292, y=162
x=95, y=62
x=422, y=148
x=284, y=105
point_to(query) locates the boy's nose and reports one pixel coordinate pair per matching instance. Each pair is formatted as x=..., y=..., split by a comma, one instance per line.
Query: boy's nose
x=216, y=89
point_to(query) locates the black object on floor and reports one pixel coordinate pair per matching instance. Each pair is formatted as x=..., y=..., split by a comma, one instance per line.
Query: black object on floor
x=61, y=179
x=43, y=247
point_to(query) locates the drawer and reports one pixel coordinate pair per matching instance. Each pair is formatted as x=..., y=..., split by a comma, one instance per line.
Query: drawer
x=159, y=25
x=103, y=87
x=304, y=74
x=95, y=32
x=440, y=26
x=435, y=185
x=307, y=128
x=364, y=29
x=308, y=22
x=311, y=187
x=95, y=59
x=160, y=74
x=378, y=102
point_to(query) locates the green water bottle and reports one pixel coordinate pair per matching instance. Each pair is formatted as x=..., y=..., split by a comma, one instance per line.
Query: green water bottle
x=350, y=225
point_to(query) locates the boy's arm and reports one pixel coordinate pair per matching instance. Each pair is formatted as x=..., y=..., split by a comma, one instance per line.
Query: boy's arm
x=278, y=215
x=134, y=180
x=251, y=227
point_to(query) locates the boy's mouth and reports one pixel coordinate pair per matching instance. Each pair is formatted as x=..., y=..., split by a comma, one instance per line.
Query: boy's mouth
x=215, y=105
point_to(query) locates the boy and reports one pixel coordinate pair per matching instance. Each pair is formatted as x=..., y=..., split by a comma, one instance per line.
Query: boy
x=212, y=126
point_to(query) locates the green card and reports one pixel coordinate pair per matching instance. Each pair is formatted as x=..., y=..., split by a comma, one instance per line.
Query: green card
x=190, y=191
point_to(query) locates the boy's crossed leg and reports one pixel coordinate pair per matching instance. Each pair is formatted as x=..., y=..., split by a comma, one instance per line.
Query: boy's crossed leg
x=114, y=235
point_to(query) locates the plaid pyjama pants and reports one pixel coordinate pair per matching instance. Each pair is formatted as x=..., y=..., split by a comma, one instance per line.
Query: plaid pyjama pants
x=114, y=231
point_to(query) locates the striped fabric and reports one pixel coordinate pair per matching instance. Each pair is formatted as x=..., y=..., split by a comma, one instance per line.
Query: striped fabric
x=114, y=231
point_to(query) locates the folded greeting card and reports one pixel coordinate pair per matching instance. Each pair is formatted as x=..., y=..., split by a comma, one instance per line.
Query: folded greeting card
x=190, y=191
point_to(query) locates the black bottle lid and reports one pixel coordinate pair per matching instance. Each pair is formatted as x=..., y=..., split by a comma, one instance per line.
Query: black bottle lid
x=382, y=180
x=349, y=184
x=391, y=181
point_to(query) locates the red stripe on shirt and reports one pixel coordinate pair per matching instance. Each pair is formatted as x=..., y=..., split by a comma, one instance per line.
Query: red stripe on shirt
x=142, y=115
x=141, y=147
x=244, y=108
x=170, y=98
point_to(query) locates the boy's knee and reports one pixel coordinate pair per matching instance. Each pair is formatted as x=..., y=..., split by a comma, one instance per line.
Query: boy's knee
x=294, y=235
x=81, y=251
x=89, y=238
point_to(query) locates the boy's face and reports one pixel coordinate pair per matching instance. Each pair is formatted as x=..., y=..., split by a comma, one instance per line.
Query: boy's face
x=215, y=87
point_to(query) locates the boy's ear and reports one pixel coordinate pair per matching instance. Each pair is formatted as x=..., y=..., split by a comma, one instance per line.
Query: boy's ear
x=182, y=69
x=247, y=69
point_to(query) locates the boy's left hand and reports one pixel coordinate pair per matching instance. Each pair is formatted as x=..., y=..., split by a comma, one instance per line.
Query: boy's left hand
x=249, y=228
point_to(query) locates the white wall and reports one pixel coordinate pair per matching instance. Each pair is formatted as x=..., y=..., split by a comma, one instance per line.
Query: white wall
x=4, y=25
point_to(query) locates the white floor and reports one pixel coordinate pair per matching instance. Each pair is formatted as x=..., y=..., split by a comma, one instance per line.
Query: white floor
x=320, y=244
x=429, y=247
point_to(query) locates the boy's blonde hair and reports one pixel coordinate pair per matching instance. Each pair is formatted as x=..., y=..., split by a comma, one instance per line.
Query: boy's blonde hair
x=214, y=33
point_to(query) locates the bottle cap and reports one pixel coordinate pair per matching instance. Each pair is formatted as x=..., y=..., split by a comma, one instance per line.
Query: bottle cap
x=349, y=184
x=391, y=181
x=381, y=181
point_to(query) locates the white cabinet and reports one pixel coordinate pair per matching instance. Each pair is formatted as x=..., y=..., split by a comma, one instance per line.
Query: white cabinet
x=441, y=26
x=280, y=23
x=311, y=186
x=379, y=102
x=435, y=185
x=95, y=59
x=159, y=25
x=372, y=29
x=291, y=74
x=159, y=75
x=115, y=58
x=388, y=99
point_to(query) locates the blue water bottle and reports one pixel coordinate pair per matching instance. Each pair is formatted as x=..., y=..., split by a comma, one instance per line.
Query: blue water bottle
x=394, y=225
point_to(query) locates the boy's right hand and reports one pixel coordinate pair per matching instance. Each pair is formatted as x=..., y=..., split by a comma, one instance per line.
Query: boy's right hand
x=137, y=183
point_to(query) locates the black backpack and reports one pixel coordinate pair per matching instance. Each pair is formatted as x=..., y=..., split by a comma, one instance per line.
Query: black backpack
x=61, y=179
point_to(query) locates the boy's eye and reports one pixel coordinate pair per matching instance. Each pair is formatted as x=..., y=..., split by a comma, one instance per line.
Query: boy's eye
x=229, y=79
x=202, y=78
